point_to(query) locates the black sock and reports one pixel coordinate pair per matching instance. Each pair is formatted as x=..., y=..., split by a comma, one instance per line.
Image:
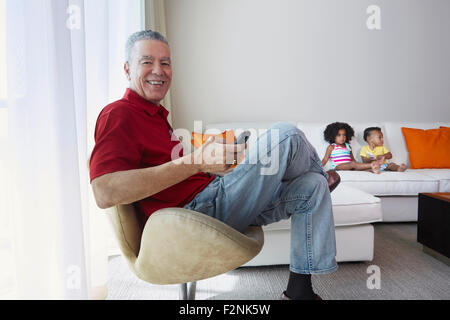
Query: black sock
x=300, y=287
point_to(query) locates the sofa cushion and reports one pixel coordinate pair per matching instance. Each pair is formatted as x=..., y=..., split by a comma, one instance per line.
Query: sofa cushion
x=388, y=183
x=443, y=175
x=350, y=207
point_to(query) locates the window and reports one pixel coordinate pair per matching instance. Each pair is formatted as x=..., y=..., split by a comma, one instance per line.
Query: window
x=7, y=274
x=3, y=86
x=2, y=50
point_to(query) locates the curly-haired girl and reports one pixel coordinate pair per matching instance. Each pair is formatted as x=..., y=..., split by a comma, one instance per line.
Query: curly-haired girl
x=339, y=134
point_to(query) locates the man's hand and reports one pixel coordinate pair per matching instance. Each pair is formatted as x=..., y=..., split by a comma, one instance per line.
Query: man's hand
x=216, y=157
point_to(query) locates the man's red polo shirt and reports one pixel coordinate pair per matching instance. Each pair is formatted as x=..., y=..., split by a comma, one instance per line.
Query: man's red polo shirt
x=133, y=133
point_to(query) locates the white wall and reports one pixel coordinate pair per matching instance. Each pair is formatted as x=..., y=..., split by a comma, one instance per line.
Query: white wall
x=255, y=60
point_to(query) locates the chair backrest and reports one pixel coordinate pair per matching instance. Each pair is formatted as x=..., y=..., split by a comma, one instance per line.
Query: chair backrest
x=128, y=229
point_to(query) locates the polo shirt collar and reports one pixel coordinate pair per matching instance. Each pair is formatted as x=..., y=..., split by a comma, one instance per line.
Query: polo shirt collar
x=140, y=102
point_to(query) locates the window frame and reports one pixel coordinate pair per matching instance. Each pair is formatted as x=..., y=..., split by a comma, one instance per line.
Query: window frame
x=3, y=57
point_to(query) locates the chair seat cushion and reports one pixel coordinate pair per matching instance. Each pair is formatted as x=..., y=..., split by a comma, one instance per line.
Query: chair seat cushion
x=180, y=245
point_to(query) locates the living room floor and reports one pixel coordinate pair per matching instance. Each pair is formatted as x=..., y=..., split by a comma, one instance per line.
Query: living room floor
x=406, y=272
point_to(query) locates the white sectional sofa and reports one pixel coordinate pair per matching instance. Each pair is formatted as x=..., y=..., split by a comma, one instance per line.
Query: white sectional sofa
x=397, y=190
x=362, y=198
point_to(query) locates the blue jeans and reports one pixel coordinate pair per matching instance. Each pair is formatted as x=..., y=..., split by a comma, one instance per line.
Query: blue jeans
x=297, y=189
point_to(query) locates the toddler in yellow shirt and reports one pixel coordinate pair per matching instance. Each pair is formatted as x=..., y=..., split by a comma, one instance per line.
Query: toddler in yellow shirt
x=375, y=150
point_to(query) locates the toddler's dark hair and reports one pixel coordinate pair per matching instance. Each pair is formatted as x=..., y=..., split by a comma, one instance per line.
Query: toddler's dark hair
x=368, y=131
x=332, y=131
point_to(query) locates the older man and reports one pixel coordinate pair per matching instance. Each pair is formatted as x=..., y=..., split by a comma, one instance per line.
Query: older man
x=132, y=162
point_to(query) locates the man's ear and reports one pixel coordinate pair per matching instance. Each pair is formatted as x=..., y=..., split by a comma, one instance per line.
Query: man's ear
x=126, y=68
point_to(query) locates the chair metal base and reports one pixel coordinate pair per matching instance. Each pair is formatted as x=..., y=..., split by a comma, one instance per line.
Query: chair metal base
x=187, y=292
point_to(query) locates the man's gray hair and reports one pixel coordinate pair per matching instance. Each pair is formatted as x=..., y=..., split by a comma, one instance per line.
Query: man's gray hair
x=142, y=35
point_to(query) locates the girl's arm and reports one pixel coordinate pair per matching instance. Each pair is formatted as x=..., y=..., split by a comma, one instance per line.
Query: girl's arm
x=351, y=156
x=327, y=155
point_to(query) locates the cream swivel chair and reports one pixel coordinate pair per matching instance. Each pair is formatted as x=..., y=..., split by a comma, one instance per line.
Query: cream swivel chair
x=180, y=246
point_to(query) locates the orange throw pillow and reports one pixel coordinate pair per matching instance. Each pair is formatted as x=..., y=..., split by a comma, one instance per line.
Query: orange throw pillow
x=200, y=138
x=428, y=148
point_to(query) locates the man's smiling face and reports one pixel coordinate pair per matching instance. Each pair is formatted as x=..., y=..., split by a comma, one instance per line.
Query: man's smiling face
x=149, y=70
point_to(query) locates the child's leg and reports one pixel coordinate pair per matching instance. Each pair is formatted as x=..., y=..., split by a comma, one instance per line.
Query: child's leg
x=395, y=167
x=354, y=166
x=374, y=166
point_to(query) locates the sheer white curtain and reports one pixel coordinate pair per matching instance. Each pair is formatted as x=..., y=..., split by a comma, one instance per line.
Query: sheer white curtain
x=65, y=63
